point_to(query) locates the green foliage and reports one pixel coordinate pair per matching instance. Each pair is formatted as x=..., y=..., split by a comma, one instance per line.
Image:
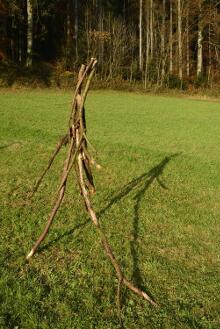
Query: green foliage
x=157, y=198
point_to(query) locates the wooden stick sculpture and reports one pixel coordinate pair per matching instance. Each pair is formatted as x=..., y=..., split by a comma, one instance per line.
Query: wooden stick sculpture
x=79, y=159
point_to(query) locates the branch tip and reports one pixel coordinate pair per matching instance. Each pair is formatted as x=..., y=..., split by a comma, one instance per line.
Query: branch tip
x=30, y=254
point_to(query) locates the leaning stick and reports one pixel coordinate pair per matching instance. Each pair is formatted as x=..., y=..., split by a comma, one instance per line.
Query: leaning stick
x=85, y=92
x=82, y=74
x=106, y=245
x=57, y=204
x=71, y=154
x=80, y=138
x=63, y=141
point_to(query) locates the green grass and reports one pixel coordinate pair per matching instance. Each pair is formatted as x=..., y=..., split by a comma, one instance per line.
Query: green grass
x=157, y=199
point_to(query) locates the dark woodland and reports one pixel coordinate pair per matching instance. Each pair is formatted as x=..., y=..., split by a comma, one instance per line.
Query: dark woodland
x=171, y=43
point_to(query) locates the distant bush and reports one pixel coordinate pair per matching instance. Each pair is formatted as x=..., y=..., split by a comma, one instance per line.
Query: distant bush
x=12, y=74
x=65, y=79
x=173, y=82
x=152, y=71
x=55, y=75
x=201, y=81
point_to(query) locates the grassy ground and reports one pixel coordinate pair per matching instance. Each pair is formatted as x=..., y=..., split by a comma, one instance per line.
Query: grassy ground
x=158, y=200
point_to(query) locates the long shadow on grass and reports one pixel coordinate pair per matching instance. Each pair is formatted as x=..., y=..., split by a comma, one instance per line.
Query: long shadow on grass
x=140, y=185
x=8, y=145
x=65, y=234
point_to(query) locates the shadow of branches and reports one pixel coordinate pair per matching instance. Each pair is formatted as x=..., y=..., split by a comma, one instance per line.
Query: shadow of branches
x=140, y=185
x=137, y=187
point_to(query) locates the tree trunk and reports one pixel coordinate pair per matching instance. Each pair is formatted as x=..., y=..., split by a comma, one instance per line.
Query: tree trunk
x=88, y=28
x=210, y=54
x=180, y=51
x=20, y=40
x=147, y=46
x=199, y=42
x=171, y=37
x=187, y=43
x=75, y=36
x=29, y=33
x=140, y=36
x=151, y=30
x=163, y=40
x=68, y=36
x=101, y=41
x=12, y=38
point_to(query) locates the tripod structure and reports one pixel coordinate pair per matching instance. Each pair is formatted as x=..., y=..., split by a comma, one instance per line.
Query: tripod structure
x=79, y=159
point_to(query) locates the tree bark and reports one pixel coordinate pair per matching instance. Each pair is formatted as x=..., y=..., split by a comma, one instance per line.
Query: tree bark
x=210, y=53
x=163, y=40
x=147, y=46
x=20, y=40
x=140, y=36
x=180, y=51
x=29, y=33
x=68, y=35
x=199, y=42
x=151, y=30
x=171, y=37
x=187, y=43
x=75, y=37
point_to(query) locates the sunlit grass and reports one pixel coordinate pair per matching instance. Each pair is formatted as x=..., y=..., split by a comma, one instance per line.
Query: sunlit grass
x=157, y=198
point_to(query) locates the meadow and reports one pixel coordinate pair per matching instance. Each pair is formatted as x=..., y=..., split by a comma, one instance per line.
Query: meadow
x=157, y=199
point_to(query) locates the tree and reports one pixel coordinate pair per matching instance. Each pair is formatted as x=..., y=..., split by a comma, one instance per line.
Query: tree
x=171, y=38
x=163, y=33
x=178, y=36
x=29, y=33
x=140, y=36
x=180, y=51
x=199, y=41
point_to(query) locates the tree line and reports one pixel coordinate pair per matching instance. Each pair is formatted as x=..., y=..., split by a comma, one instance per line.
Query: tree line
x=163, y=42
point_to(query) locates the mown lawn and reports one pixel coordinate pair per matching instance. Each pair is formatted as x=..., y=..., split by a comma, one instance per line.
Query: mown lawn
x=157, y=197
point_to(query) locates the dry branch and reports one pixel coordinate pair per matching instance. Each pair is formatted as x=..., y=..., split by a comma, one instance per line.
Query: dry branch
x=63, y=141
x=79, y=158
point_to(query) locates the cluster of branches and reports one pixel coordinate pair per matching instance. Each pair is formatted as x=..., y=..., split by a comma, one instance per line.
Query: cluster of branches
x=79, y=160
x=154, y=41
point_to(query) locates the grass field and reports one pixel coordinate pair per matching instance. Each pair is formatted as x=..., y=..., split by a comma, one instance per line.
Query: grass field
x=157, y=199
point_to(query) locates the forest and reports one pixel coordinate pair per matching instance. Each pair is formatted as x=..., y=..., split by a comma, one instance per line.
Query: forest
x=172, y=43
